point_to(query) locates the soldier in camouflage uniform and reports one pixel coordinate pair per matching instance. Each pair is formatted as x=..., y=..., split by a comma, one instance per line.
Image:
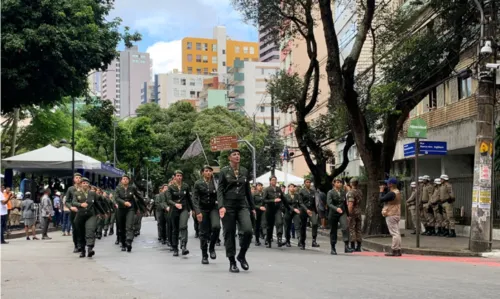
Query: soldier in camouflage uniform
x=308, y=199
x=436, y=208
x=354, y=198
x=273, y=198
x=427, y=190
x=411, y=203
x=447, y=199
x=260, y=218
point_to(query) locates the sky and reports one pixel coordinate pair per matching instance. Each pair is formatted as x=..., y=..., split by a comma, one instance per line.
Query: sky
x=163, y=24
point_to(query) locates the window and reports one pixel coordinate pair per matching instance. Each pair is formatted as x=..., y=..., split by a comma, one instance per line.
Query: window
x=205, y=71
x=189, y=45
x=245, y=50
x=183, y=93
x=190, y=57
x=252, y=50
x=464, y=87
x=183, y=81
x=262, y=108
x=214, y=59
x=190, y=70
x=214, y=48
x=276, y=109
x=432, y=104
x=205, y=47
x=198, y=46
x=198, y=58
x=236, y=50
x=191, y=82
x=176, y=92
x=214, y=71
x=205, y=59
x=223, y=51
x=223, y=63
x=176, y=81
x=192, y=93
x=198, y=71
x=197, y=94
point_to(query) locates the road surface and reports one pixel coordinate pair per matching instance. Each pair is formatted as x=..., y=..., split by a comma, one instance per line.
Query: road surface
x=48, y=269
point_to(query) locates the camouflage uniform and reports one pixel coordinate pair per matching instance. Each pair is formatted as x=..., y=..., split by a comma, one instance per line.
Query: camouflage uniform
x=447, y=198
x=355, y=196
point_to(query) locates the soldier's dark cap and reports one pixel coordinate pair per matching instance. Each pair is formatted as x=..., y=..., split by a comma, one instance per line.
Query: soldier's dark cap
x=337, y=180
x=84, y=179
x=208, y=167
x=234, y=150
x=307, y=179
x=178, y=171
x=77, y=174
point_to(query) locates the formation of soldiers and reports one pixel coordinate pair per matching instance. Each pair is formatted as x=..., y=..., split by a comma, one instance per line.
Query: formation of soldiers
x=436, y=206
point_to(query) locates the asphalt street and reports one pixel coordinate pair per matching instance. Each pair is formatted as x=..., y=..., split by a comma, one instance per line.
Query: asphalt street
x=48, y=269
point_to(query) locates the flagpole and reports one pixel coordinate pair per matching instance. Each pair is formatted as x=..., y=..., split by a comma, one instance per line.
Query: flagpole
x=205, y=155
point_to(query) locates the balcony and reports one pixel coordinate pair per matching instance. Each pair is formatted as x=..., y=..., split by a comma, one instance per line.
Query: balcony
x=240, y=102
x=239, y=64
x=239, y=89
x=238, y=77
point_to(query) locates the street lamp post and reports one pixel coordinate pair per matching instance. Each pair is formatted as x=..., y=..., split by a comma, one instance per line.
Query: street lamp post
x=64, y=141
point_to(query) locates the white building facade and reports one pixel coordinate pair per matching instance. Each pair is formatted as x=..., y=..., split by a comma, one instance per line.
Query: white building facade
x=176, y=86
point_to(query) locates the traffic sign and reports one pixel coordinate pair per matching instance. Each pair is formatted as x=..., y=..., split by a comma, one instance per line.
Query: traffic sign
x=437, y=148
x=223, y=143
x=417, y=128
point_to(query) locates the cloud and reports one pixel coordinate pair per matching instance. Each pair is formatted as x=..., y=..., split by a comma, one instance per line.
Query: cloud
x=166, y=56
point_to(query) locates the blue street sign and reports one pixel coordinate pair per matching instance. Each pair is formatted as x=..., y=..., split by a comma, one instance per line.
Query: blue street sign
x=437, y=148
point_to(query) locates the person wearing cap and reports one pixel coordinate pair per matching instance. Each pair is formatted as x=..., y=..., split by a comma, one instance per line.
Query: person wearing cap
x=86, y=201
x=392, y=213
x=207, y=213
x=234, y=202
x=70, y=196
x=180, y=203
x=274, y=198
x=427, y=190
x=110, y=219
x=411, y=202
x=260, y=215
x=436, y=208
x=338, y=213
x=354, y=198
x=130, y=202
x=447, y=199
x=160, y=215
x=293, y=214
x=308, y=199
x=103, y=202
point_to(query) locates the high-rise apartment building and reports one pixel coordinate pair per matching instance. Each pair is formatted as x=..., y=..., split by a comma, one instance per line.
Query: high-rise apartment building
x=176, y=86
x=123, y=82
x=204, y=56
x=268, y=48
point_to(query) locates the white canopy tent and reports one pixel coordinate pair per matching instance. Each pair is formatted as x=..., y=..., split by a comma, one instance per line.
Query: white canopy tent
x=280, y=175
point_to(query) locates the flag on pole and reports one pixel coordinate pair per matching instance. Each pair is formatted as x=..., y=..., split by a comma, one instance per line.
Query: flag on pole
x=195, y=149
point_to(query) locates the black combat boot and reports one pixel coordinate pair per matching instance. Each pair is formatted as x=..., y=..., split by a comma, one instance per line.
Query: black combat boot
x=111, y=231
x=287, y=243
x=446, y=232
x=242, y=259
x=211, y=251
x=358, y=247
x=302, y=245
x=218, y=242
x=82, y=252
x=314, y=243
x=233, y=268
x=280, y=242
x=333, y=251
x=175, y=250
x=346, y=248
x=91, y=251
x=452, y=234
x=196, y=235
x=414, y=232
x=105, y=232
x=184, y=250
x=427, y=231
x=129, y=246
x=352, y=246
x=76, y=250
x=268, y=244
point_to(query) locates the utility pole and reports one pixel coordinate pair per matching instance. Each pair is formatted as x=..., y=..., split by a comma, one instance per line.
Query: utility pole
x=273, y=141
x=483, y=186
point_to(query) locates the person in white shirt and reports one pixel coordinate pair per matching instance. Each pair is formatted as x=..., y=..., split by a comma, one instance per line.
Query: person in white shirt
x=46, y=212
x=4, y=215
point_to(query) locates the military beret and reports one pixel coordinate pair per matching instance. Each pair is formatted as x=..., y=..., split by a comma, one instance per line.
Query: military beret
x=77, y=174
x=208, y=167
x=234, y=150
x=178, y=171
x=84, y=179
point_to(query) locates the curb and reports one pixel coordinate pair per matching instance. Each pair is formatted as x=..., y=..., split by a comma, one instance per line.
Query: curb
x=22, y=234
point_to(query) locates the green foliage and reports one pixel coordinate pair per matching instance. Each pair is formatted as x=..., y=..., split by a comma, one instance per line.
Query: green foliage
x=49, y=47
x=130, y=38
x=100, y=115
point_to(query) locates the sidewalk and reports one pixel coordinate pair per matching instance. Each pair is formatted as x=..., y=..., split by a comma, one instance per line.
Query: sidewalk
x=428, y=245
x=19, y=233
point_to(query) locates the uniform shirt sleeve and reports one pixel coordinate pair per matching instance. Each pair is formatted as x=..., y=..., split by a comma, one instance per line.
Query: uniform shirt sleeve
x=329, y=201
x=220, y=189
x=196, y=198
x=118, y=199
x=248, y=192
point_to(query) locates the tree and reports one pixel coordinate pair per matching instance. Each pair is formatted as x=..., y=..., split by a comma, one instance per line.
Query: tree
x=130, y=38
x=49, y=47
x=412, y=54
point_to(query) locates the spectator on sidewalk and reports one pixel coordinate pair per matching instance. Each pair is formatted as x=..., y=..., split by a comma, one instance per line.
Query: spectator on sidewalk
x=46, y=212
x=57, y=209
x=66, y=221
x=15, y=212
x=4, y=215
x=392, y=213
x=8, y=195
x=28, y=208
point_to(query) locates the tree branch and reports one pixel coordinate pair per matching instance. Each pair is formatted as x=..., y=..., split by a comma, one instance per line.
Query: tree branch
x=345, y=155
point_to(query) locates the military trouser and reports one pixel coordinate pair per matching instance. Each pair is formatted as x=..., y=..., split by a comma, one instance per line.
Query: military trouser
x=314, y=218
x=232, y=218
x=179, y=221
x=429, y=215
x=125, y=225
x=274, y=217
x=438, y=217
x=355, y=228
x=161, y=223
x=209, y=229
x=168, y=225
x=86, y=223
x=413, y=215
x=72, y=217
x=296, y=219
x=260, y=224
x=110, y=221
x=137, y=223
x=335, y=219
x=196, y=224
x=99, y=226
x=449, y=222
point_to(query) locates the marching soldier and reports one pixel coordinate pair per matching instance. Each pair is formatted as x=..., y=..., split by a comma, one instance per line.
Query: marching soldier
x=179, y=201
x=160, y=215
x=412, y=206
x=273, y=198
x=207, y=213
x=110, y=220
x=86, y=201
x=308, y=198
x=427, y=190
x=293, y=214
x=70, y=196
x=337, y=206
x=105, y=207
x=130, y=202
x=447, y=198
x=260, y=218
x=436, y=207
x=354, y=197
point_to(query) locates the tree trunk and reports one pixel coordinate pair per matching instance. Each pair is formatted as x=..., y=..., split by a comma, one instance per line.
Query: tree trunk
x=374, y=223
x=14, y=132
